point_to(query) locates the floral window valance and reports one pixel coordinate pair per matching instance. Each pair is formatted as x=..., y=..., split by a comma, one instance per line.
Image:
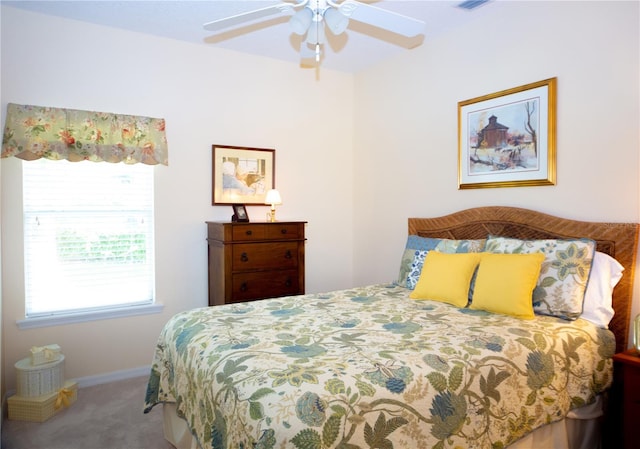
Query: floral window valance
x=34, y=132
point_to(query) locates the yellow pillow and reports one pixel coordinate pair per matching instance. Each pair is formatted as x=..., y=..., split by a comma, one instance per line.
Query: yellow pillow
x=446, y=277
x=505, y=283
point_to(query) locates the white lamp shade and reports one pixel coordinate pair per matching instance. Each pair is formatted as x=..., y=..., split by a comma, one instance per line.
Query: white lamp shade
x=336, y=21
x=273, y=197
x=300, y=21
x=316, y=34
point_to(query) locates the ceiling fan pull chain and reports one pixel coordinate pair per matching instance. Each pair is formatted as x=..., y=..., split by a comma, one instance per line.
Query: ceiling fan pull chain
x=318, y=19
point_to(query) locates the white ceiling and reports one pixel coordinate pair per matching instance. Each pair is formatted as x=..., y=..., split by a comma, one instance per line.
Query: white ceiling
x=360, y=46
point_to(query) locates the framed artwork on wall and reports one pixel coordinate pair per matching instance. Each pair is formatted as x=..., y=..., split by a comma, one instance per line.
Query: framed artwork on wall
x=508, y=138
x=242, y=175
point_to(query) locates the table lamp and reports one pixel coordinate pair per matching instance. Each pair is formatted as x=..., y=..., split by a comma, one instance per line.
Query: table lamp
x=273, y=198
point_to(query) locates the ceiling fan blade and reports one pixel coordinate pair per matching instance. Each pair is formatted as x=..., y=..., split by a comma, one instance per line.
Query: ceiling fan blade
x=382, y=18
x=242, y=18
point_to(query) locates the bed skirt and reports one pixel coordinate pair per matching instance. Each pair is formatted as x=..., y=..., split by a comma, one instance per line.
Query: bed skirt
x=582, y=429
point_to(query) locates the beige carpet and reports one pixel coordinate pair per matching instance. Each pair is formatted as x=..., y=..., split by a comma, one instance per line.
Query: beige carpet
x=105, y=416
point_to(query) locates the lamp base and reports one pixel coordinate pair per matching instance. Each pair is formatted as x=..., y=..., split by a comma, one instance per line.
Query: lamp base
x=272, y=215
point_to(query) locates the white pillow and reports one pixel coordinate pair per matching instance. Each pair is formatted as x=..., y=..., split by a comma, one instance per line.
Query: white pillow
x=605, y=274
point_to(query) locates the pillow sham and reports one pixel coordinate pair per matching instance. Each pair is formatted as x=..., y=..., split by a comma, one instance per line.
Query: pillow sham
x=446, y=277
x=564, y=273
x=606, y=272
x=416, y=249
x=504, y=284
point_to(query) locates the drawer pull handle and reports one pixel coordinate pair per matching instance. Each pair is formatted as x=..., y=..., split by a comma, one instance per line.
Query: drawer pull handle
x=288, y=254
x=244, y=257
x=283, y=231
x=288, y=282
x=249, y=232
x=244, y=287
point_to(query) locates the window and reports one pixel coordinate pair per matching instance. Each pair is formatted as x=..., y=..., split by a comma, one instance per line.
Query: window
x=88, y=231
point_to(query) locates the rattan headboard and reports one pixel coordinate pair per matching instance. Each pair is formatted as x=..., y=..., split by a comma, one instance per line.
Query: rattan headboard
x=619, y=240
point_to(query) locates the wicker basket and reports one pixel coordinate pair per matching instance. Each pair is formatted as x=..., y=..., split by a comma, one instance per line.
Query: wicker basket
x=41, y=408
x=39, y=380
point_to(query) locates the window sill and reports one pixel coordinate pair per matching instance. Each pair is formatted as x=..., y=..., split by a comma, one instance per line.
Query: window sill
x=57, y=320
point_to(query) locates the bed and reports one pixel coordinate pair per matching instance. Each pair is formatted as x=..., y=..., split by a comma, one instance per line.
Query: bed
x=381, y=367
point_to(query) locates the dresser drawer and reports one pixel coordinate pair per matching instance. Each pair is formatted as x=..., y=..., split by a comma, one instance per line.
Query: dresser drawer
x=632, y=386
x=260, y=256
x=276, y=231
x=265, y=284
x=283, y=231
x=624, y=402
x=249, y=232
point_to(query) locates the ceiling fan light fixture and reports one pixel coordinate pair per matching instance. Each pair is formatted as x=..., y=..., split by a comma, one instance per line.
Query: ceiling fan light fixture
x=315, y=35
x=301, y=21
x=310, y=17
x=336, y=21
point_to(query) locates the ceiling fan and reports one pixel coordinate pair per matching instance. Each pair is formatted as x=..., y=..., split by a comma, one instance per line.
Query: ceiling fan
x=310, y=18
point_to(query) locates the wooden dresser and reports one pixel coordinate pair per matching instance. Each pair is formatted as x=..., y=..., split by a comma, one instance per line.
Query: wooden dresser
x=624, y=401
x=250, y=261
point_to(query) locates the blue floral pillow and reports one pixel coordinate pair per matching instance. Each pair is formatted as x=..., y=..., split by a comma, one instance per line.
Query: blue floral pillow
x=564, y=274
x=417, y=248
x=416, y=268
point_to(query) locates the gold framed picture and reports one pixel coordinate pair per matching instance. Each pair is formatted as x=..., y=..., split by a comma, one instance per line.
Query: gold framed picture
x=508, y=138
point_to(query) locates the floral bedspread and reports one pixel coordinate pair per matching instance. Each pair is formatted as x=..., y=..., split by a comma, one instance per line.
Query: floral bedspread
x=371, y=368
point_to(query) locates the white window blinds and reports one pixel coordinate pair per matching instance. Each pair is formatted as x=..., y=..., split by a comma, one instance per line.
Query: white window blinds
x=88, y=231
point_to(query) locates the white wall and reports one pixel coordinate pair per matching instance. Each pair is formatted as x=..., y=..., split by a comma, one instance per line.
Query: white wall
x=207, y=96
x=406, y=121
x=391, y=153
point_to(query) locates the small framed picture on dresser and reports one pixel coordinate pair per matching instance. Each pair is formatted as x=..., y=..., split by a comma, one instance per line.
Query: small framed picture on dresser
x=240, y=213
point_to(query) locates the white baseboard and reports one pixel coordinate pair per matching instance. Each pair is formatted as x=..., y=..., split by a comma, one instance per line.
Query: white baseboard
x=113, y=376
